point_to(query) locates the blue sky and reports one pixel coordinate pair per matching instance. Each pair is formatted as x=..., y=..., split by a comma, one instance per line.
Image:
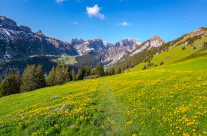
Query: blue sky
x=110, y=20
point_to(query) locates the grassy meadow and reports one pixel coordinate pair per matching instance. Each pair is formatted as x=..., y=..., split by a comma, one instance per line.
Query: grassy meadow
x=165, y=100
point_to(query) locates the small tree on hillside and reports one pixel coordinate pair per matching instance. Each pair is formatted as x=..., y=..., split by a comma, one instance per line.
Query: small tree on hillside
x=11, y=84
x=59, y=75
x=80, y=74
x=73, y=75
x=99, y=70
x=118, y=71
x=87, y=71
x=50, y=80
x=28, y=82
x=66, y=73
x=112, y=71
x=39, y=77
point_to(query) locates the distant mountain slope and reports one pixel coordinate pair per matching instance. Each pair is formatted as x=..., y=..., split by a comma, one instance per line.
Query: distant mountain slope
x=120, y=49
x=167, y=53
x=19, y=42
x=152, y=42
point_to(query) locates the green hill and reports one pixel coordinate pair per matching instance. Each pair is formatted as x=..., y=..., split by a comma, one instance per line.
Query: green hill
x=168, y=99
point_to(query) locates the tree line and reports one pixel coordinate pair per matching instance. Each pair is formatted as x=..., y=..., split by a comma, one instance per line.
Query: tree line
x=34, y=78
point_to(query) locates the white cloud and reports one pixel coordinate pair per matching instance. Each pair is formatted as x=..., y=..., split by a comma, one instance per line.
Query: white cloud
x=95, y=12
x=59, y=1
x=125, y=24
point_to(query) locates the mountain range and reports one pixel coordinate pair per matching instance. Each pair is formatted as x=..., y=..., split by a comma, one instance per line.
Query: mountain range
x=19, y=42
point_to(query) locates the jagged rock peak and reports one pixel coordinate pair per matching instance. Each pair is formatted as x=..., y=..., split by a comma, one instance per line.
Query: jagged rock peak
x=156, y=38
x=6, y=22
x=40, y=33
x=128, y=42
x=10, y=24
x=77, y=40
x=156, y=41
x=25, y=28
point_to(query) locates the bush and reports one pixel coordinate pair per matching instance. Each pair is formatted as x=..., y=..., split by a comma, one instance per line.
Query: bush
x=194, y=47
x=161, y=63
x=183, y=48
x=145, y=67
x=205, y=45
x=11, y=84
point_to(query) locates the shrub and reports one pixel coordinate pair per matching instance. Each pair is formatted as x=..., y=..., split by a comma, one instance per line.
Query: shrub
x=161, y=63
x=145, y=67
x=205, y=45
x=183, y=48
x=194, y=47
x=11, y=84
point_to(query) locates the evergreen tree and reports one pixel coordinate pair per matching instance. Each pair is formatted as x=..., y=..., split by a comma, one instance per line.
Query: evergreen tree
x=87, y=71
x=107, y=72
x=118, y=71
x=113, y=71
x=39, y=77
x=11, y=84
x=28, y=79
x=80, y=74
x=50, y=80
x=67, y=73
x=62, y=74
x=73, y=75
x=59, y=75
x=99, y=70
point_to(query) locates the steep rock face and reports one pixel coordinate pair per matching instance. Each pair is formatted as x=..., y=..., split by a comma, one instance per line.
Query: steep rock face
x=96, y=48
x=19, y=41
x=152, y=42
x=155, y=41
x=93, y=47
x=8, y=23
x=120, y=49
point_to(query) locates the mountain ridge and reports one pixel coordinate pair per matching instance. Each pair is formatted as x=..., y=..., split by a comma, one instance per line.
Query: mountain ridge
x=18, y=41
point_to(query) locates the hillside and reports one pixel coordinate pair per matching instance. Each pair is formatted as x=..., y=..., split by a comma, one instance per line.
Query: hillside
x=167, y=99
x=167, y=53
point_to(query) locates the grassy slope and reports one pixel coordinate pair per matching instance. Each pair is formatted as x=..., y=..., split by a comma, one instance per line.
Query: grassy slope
x=165, y=100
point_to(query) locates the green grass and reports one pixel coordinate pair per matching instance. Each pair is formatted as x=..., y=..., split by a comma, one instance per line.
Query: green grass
x=164, y=100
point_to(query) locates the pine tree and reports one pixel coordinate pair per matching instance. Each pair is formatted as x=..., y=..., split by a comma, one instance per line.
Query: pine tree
x=67, y=73
x=62, y=74
x=87, y=71
x=39, y=77
x=73, y=75
x=80, y=74
x=107, y=72
x=59, y=75
x=50, y=80
x=99, y=70
x=113, y=71
x=28, y=79
x=11, y=83
x=118, y=71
